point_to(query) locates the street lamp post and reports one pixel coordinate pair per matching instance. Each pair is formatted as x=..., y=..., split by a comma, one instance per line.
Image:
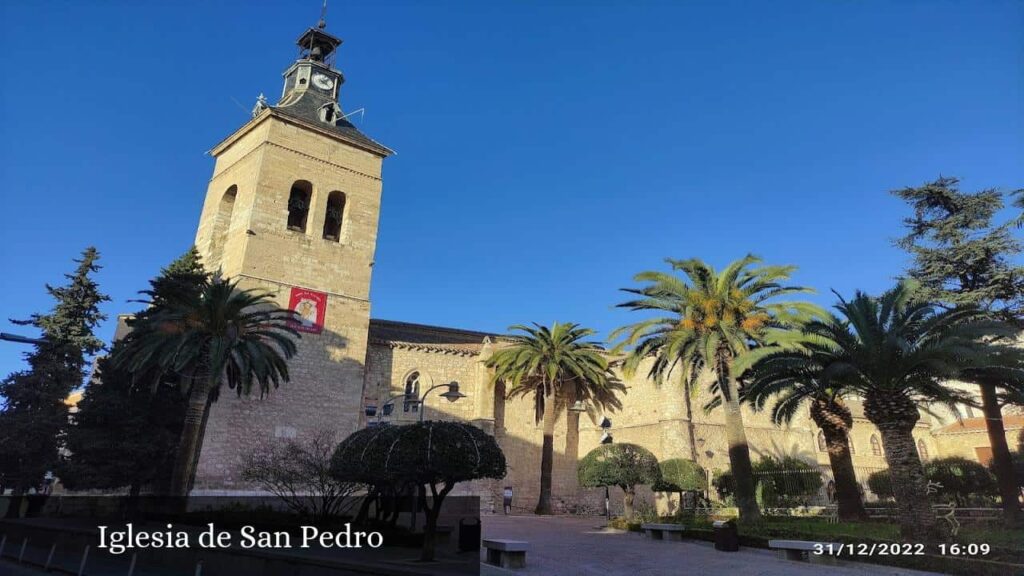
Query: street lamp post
x=451, y=395
x=606, y=438
x=374, y=411
x=21, y=339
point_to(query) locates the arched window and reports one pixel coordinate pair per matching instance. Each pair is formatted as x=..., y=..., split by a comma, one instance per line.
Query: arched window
x=876, y=446
x=922, y=450
x=221, y=224
x=298, y=205
x=822, y=445
x=334, y=216
x=412, y=392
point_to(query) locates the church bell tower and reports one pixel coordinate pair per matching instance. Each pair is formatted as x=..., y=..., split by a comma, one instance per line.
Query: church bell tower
x=292, y=209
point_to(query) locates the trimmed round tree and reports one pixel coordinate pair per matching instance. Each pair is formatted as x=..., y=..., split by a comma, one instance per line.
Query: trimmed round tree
x=680, y=475
x=961, y=478
x=622, y=465
x=433, y=456
x=880, y=484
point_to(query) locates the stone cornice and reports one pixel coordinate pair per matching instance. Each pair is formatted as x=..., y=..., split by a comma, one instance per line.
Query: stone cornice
x=259, y=146
x=438, y=348
x=269, y=113
x=322, y=161
x=273, y=113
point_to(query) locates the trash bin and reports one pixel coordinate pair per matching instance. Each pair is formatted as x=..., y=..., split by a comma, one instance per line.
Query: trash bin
x=469, y=535
x=727, y=539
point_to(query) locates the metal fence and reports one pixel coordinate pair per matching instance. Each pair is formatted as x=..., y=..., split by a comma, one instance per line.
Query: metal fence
x=968, y=489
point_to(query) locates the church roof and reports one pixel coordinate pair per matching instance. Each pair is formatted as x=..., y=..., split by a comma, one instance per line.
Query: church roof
x=306, y=109
x=968, y=425
x=424, y=337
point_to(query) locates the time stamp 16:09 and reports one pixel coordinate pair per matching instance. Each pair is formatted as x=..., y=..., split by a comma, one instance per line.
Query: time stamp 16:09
x=899, y=549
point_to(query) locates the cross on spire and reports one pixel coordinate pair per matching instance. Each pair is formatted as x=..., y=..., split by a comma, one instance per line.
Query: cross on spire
x=323, y=17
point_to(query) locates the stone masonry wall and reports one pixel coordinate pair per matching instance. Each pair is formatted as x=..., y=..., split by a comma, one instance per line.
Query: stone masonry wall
x=263, y=160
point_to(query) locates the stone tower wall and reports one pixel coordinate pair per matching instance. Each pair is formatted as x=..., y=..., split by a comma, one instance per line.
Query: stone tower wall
x=263, y=160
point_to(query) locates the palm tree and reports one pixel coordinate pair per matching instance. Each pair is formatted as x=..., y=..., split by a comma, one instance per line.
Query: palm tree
x=709, y=318
x=214, y=335
x=553, y=364
x=898, y=353
x=792, y=375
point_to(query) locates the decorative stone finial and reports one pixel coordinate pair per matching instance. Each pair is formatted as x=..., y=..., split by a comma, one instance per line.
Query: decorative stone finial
x=261, y=105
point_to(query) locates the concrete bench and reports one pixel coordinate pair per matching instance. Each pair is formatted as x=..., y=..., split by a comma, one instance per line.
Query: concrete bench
x=506, y=553
x=663, y=531
x=803, y=550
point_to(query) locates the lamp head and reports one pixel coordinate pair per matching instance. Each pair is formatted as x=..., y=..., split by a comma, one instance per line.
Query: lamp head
x=453, y=393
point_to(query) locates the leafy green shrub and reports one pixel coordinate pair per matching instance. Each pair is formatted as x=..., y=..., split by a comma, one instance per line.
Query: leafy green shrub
x=681, y=475
x=777, y=481
x=622, y=465
x=724, y=484
x=960, y=478
x=785, y=481
x=645, y=511
x=880, y=484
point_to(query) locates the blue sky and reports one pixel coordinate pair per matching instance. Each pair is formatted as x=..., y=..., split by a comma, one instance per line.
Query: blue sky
x=546, y=152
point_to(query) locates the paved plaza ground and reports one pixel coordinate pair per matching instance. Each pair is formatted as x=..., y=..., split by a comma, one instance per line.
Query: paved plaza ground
x=571, y=546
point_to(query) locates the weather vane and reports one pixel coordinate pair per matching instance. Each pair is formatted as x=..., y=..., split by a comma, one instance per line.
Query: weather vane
x=323, y=17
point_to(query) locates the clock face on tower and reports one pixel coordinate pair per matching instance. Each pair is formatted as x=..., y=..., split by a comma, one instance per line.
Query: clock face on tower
x=323, y=81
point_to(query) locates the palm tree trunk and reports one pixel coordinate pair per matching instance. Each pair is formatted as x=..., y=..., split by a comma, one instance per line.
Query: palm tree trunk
x=191, y=437
x=1002, y=464
x=909, y=485
x=572, y=429
x=739, y=450
x=835, y=420
x=199, y=447
x=895, y=416
x=547, y=455
x=689, y=422
x=693, y=440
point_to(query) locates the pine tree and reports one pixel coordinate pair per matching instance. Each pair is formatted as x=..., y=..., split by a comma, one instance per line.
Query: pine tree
x=34, y=419
x=126, y=430
x=122, y=436
x=962, y=258
x=184, y=276
x=179, y=281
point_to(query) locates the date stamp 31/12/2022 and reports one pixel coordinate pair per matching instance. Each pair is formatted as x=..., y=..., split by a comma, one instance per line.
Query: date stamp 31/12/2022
x=900, y=549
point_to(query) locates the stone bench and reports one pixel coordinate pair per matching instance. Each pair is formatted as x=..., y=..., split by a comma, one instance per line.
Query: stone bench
x=803, y=550
x=506, y=553
x=663, y=531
